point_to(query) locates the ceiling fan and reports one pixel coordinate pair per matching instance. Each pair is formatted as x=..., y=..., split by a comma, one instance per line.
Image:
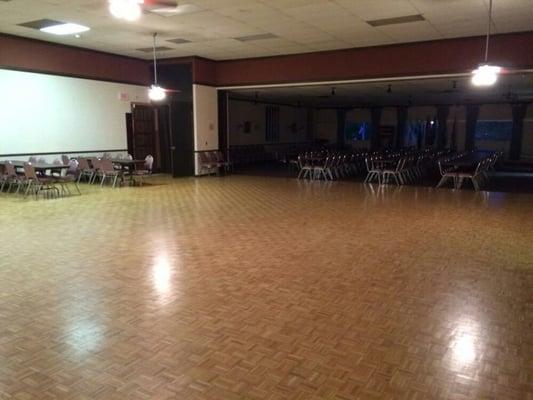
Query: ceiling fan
x=131, y=10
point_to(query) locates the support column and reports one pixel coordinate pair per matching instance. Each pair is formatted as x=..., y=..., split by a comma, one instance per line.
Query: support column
x=519, y=112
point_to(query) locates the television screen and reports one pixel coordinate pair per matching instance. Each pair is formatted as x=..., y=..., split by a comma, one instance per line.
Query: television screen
x=494, y=130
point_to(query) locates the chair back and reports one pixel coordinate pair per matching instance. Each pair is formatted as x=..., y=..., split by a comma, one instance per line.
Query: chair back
x=10, y=169
x=106, y=165
x=204, y=158
x=29, y=172
x=96, y=163
x=73, y=166
x=149, y=162
x=83, y=164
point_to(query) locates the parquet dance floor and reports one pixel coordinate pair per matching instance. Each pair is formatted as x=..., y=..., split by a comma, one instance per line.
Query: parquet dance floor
x=266, y=288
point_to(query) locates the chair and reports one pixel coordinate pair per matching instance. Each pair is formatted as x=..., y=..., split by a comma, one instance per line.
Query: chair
x=106, y=170
x=94, y=164
x=84, y=169
x=373, y=171
x=70, y=177
x=323, y=170
x=305, y=168
x=447, y=173
x=473, y=176
x=36, y=182
x=395, y=173
x=219, y=157
x=206, y=163
x=11, y=177
x=148, y=165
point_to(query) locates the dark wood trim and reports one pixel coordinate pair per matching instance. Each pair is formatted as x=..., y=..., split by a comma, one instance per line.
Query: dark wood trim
x=379, y=46
x=43, y=72
x=69, y=46
x=32, y=55
x=62, y=152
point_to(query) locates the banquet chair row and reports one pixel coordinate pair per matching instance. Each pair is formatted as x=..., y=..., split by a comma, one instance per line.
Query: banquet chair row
x=213, y=161
x=477, y=176
x=31, y=182
x=104, y=169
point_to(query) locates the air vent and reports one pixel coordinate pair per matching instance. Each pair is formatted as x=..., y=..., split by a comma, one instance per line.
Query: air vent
x=40, y=23
x=397, y=20
x=251, y=38
x=179, y=41
x=150, y=49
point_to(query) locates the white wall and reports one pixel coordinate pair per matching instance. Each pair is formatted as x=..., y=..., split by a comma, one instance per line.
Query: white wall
x=205, y=114
x=42, y=113
x=241, y=111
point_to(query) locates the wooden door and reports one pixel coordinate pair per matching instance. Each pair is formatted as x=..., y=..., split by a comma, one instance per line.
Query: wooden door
x=145, y=138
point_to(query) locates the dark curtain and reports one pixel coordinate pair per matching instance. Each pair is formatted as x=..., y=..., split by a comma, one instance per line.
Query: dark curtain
x=272, y=124
x=310, y=134
x=472, y=114
x=401, y=126
x=442, y=126
x=519, y=112
x=453, y=138
x=374, y=135
x=341, y=126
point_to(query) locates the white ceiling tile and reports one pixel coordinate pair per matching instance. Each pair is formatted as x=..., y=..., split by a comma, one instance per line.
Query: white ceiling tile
x=301, y=25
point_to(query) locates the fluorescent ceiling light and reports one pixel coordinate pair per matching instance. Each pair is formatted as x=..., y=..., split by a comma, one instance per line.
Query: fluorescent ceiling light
x=65, y=29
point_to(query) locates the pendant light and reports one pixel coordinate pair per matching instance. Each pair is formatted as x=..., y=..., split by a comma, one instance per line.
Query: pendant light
x=486, y=74
x=129, y=10
x=156, y=92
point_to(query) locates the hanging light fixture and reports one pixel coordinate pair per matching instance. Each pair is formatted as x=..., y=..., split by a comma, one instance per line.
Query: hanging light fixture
x=156, y=92
x=485, y=74
x=130, y=10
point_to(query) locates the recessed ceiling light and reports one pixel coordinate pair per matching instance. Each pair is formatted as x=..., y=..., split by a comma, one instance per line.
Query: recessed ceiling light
x=65, y=29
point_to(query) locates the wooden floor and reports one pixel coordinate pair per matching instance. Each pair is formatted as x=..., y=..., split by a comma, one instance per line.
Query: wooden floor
x=266, y=288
